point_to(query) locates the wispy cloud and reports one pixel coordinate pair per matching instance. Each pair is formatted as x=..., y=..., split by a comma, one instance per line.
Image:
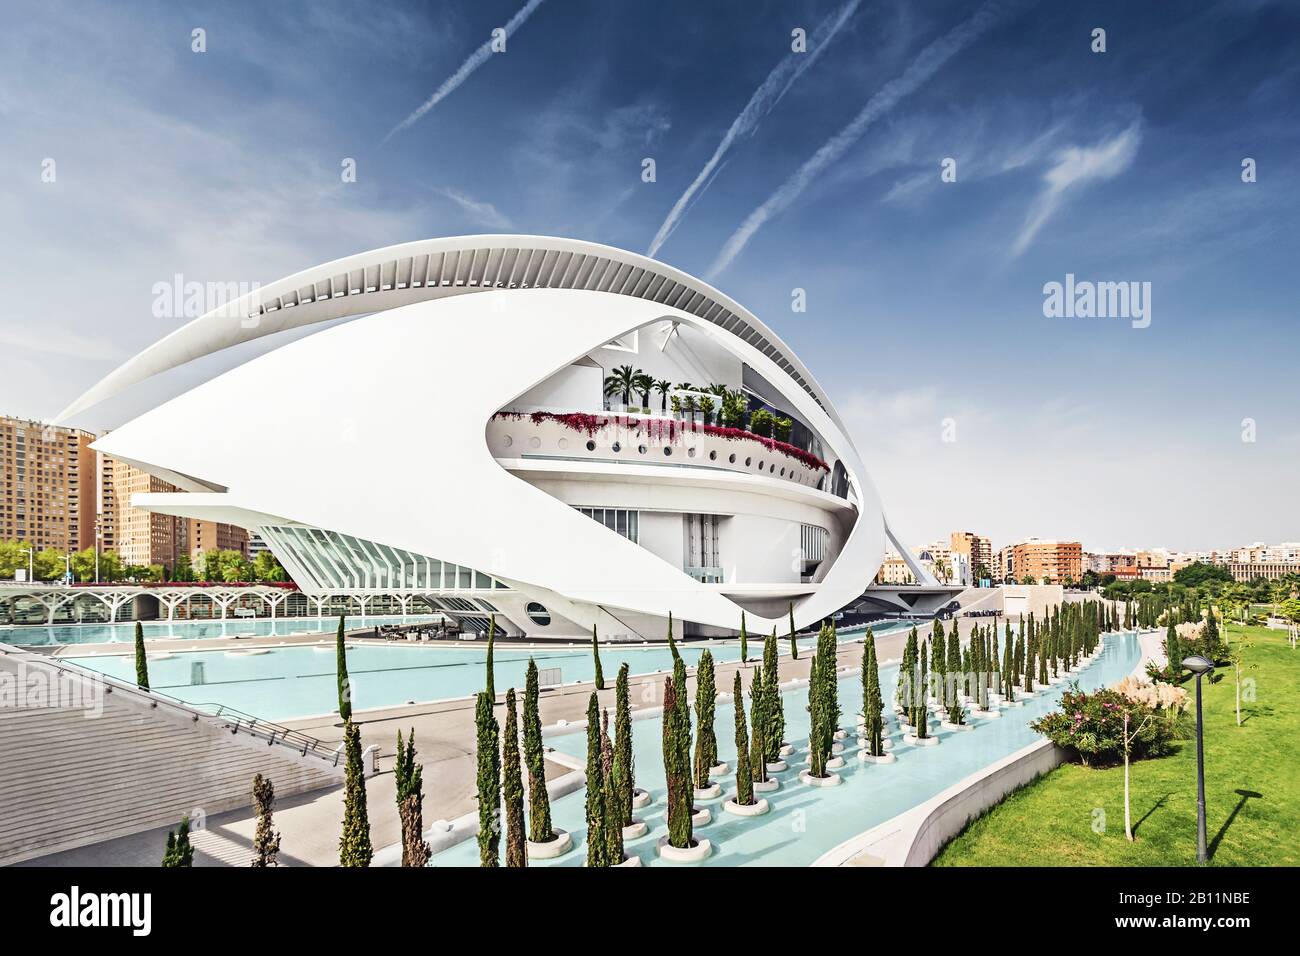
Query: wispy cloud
x=761, y=103
x=1076, y=166
x=479, y=213
x=475, y=60
x=927, y=63
x=62, y=342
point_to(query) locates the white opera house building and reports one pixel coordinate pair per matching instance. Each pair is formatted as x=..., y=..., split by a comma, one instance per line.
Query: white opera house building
x=559, y=433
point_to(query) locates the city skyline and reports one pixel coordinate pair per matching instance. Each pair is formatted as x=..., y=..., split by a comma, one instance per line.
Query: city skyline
x=924, y=298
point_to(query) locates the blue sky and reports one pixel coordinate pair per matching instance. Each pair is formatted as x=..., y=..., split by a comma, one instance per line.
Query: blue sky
x=924, y=297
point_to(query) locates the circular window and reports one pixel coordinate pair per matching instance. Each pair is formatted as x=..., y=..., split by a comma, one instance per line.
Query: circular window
x=563, y=443
x=747, y=461
x=616, y=448
x=782, y=475
x=509, y=441
x=591, y=446
x=771, y=468
x=667, y=450
x=538, y=614
x=760, y=465
x=732, y=459
x=713, y=456
x=690, y=453
x=535, y=442
x=640, y=449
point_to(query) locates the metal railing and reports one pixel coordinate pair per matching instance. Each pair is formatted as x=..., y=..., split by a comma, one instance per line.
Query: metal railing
x=232, y=719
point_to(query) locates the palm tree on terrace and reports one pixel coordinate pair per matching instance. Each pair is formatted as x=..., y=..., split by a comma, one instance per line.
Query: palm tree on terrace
x=663, y=387
x=621, y=381
x=643, y=383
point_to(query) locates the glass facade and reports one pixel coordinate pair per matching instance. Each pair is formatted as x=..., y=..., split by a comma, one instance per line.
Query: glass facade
x=338, y=562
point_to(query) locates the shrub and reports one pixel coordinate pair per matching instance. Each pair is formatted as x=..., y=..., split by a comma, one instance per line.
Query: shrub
x=1091, y=726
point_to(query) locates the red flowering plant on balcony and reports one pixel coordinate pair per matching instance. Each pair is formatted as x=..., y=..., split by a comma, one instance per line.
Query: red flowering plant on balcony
x=664, y=429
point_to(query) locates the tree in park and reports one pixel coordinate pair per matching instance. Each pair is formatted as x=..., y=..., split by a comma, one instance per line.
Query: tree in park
x=773, y=705
x=1174, y=653
x=141, y=660
x=595, y=654
x=596, y=835
x=1008, y=676
x=744, y=641
x=794, y=645
x=623, y=771
x=341, y=673
x=939, y=660
x=684, y=710
x=817, y=720
x=744, y=777
x=873, y=728
x=490, y=686
x=993, y=657
x=921, y=712
x=179, y=851
x=408, y=775
x=830, y=647
x=354, y=844
x=266, y=841
x=955, y=669
x=677, y=769
x=488, y=780
x=609, y=778
x=758, y=722
x=512, y=788
x=672, y=647
x=903, y=691
x=539, y=801
x=1211, y=641
x=706, y=701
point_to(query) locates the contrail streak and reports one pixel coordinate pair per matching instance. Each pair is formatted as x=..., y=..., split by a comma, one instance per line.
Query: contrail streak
x=768, y=94
x=475, y=60
x=927, y=63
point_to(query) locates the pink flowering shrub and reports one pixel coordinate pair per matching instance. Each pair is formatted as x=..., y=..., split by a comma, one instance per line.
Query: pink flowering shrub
x=1091, y=727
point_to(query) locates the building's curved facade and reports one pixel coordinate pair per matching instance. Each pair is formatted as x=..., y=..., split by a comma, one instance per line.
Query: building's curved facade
x=463, y=446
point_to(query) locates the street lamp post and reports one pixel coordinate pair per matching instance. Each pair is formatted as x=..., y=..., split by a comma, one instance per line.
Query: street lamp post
x=1200, y=666
x=30, y=552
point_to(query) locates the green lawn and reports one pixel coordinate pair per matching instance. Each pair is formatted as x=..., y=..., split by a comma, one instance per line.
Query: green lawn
x=1252, y=790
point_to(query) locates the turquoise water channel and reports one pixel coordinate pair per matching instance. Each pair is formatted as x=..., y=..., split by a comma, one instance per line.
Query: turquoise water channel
x=804, y=821
x=35, y=635
x=299, y=680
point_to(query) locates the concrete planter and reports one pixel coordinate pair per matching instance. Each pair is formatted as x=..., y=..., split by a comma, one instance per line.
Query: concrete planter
x=711, y=792
x=840, y=734
x=777, y=766
x=837, y=748
x=549, y=850
x=921, y=741
x=692, y=854
x=766, y=786
x=986, y=714
x=632, y=860
x=945, y=725
x=635, y=830
x=835, y=763
x=872, y=758
x=887, y=743
x=755, y=809
x=831, y=780
x=786, y=750
x=641, y=798
x=701, y=817
x=719, y=770
x=1013, y=703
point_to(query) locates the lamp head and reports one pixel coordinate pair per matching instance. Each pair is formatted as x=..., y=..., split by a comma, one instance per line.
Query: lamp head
x=1198, y=665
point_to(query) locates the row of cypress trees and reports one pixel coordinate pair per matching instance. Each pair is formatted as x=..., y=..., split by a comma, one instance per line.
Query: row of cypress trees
x=823, y=702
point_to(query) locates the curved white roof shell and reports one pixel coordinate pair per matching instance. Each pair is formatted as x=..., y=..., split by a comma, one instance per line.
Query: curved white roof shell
x=434, y=268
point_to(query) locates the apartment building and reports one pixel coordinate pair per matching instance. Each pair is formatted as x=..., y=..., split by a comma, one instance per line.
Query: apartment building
x=209, y=535
x=1054, y=561
x=145, y=537
x=977, y=549
x=46, y=485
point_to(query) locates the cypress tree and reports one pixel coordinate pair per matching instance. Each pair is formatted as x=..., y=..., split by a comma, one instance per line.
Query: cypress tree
x=794, y=645
x=1212, y=648
x=955, y=669
x=341, y=673
x=939, y=664
x=512, y=788
x=872, y=705
x=1173, y=652
x=744, y=778
x=408, y=776
x=141, y=661
x=706, y=702
x=623, y=762
x=266, y=842
x=490, y=688
x=683, y=728
x=595, y=654
x=1008, y=669
x=903, y=692
x=995, y=656
x=677, y=772
x=758, y=722
x=488, y=780
x=179, y=852
x=354, y=844
x=744, y=641
x=816, y=715
x=609, y=773
x=539, y=801
x=831, y=644
x=921, y=716
x=773, y=704
x=596, y=834
x=671, y=646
